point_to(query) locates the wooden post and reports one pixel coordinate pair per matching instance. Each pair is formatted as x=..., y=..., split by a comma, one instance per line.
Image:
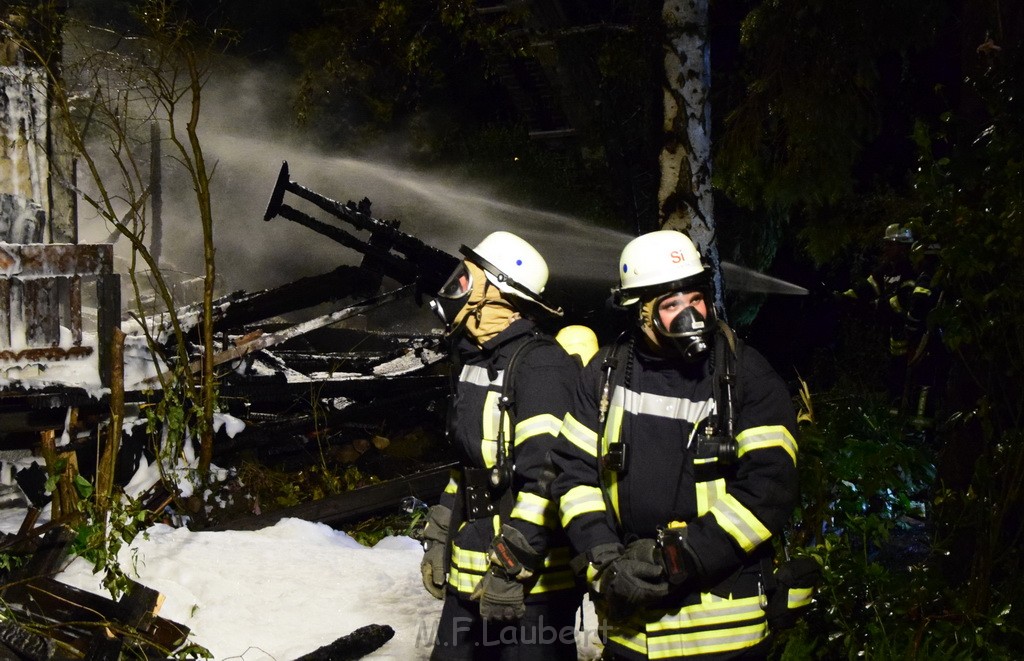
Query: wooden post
x=65, y=498
x=108, y=290
x=108, y=459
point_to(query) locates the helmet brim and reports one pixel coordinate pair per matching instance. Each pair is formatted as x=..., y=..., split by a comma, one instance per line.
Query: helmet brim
x=502, y=278
x=698, y=282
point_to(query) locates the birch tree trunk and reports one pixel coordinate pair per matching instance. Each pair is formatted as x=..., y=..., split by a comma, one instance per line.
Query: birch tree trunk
x=684, y=196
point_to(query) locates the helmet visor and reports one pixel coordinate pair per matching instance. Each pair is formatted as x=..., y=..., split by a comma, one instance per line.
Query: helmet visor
x=459, y=283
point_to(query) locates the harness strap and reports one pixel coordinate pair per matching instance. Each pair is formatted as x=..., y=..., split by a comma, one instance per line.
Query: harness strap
x=498, y=485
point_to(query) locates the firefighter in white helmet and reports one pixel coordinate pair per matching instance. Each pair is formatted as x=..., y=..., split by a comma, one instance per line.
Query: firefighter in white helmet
x=493, y=548
x=676, y=468
x=886, y=295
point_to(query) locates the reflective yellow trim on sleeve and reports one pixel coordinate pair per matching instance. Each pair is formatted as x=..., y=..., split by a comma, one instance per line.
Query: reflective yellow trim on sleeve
x=708, y=494
x=544, y=423
x=580, y=500
x=769, y=436
x=922, y=290
x=535, y=509
x=739, y=523
x=579, y=435
x=799, y=597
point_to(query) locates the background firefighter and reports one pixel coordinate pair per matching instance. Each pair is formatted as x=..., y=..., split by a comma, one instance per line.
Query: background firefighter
x=508, y=589
x=886, y=293
x=903, y=290
x=673, y=520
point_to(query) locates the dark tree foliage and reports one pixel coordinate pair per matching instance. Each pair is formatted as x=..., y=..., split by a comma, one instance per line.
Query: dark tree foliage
x=831, y=120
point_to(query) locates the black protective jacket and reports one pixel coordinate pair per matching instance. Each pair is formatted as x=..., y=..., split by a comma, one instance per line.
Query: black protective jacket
x=731, y=510
x=543, y=385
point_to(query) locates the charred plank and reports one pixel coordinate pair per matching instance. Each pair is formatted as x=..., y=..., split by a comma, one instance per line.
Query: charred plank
x=355, y=645
x=426, y=485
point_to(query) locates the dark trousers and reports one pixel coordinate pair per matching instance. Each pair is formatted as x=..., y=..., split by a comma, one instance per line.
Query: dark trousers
x=546, y=633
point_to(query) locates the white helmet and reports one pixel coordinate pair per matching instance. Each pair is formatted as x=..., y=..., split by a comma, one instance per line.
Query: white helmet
x=512, y=265
x=658, y=261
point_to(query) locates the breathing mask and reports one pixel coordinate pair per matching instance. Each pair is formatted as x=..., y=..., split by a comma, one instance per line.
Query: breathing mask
x=453, y=296
x=687, y=334
x=469, y=301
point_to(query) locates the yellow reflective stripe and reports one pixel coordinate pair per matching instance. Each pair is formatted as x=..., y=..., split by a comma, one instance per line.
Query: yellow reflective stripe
x=544, y=423
x=739, y=523
x=768, y=436
x=464, y=582
x=706, y=642
x=708, y=494
x=636, y=642
x=874, y=285
x=612, y=434
x=535, y=509
x=799, y=597
x=467, y=568
x=894, y=303
x=671, y=635
x=922, y=290
x=579, y=435
x=704, y=497
x=491, y=415
x=550, y=581
x=897, y=347
x=555, y=573
x=712, y=611
x=580, y=500
x=453, y=482
x=466, y=560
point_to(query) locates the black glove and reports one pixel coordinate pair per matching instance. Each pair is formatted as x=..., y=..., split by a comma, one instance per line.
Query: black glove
x=501, y=597
x=635, y=578
x=435, y=543
x=501, y=591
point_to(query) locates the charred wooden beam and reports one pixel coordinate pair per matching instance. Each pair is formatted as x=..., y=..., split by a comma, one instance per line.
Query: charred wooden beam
x=426, y=485
x=80, y=619
x=265, y=426
x=360, y=389
x=355, y=645
x=390, y=251
x=342, y=282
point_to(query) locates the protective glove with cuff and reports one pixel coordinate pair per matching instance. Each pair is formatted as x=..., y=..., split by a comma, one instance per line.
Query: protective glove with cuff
x=501, y=591
x=435, y=544
x=637, y=577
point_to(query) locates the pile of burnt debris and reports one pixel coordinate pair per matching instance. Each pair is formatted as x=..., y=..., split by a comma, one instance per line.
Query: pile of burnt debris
x=317, y=397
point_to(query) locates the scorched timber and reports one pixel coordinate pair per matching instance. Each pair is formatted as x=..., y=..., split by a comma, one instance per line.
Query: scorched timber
x=425, y=485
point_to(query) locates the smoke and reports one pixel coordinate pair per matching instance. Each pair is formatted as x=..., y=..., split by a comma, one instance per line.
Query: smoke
x=246, y=132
